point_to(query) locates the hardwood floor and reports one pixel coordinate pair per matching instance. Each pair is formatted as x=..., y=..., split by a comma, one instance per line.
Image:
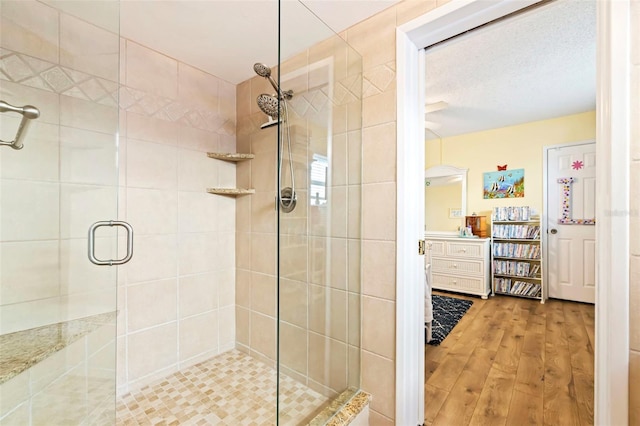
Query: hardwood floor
x=513, y=361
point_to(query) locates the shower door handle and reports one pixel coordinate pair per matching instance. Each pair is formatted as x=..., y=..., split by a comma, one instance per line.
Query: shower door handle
x=92, y=243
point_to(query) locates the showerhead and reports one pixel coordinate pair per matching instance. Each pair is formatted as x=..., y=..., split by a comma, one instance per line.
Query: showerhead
x=262, y=70
x=269, y=105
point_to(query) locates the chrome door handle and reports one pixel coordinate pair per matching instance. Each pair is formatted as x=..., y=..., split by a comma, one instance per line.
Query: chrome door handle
x=92, y=243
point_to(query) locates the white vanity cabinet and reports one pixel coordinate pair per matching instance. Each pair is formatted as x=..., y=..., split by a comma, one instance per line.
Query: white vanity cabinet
x=460, y=264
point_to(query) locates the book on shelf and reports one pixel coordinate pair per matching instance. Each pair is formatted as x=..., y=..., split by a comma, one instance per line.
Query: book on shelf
x=525, y=232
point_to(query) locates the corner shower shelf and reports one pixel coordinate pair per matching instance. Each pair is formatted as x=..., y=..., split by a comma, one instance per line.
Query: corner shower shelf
x=230, y=156
x=231, y=191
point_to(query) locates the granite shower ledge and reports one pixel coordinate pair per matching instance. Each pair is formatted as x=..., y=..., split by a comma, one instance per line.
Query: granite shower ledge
x=23, y=349
x=231, y=191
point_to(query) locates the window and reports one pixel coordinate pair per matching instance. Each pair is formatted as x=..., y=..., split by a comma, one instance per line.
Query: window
x=318, y=186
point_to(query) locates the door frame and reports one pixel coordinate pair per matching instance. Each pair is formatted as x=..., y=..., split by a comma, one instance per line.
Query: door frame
x=545, y=205
x=611, y=375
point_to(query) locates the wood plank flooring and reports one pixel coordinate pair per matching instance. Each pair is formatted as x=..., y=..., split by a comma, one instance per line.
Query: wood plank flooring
x=513, y=361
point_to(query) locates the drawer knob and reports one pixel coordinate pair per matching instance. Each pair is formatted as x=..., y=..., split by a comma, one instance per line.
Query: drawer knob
x=463, y=250
x=455, y=266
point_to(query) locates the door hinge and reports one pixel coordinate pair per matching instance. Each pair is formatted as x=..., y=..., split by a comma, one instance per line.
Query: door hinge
x=421, y=245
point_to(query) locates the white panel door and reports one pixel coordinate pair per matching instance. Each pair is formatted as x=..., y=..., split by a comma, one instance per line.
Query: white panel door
x=571, y=193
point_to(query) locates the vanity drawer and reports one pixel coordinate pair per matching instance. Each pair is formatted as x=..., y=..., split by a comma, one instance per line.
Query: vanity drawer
x=457, y=266
x=438, y=248
x=465, y=249
x=463, y=284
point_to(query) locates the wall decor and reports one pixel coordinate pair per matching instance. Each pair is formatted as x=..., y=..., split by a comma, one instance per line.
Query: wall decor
x=504, y=184
x=565, y=196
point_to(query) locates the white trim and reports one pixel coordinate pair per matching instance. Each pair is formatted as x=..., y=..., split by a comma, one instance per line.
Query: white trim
x=410, y=278
x=612, y=320
x=612, y=230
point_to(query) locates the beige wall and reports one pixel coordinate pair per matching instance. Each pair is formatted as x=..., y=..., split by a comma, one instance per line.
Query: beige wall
x=176, y=297
x=634, y=281
x=520, y=147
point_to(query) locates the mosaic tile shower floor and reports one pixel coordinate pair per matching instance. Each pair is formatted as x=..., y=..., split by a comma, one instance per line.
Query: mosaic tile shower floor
x=230, y=389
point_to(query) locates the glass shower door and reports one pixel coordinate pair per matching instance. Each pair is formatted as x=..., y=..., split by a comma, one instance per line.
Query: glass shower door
x=57, y=309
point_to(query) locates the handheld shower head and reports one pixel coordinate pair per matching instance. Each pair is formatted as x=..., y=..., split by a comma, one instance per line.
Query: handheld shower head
x=262, y=70
x=269, y=105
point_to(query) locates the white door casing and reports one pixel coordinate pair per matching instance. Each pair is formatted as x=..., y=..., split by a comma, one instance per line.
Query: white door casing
x=612, y=230
x=570, y=250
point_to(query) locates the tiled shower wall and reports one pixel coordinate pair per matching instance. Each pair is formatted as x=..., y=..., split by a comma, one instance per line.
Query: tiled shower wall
x=177, y=295
x=319, y=244
x=634, y=281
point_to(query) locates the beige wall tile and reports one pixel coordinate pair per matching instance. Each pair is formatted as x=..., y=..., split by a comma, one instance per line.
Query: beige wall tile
x=198, y=335
x=152, y=211
x=379, y=153
x=634, y=303
x=263, y=170
x=82, y=205
x=328, y=312
x=263, y=213
x=85, y=47
x=355, y=266
x=243, y=99
x=377, y=419
x=293, y=257
x=151, y=129
x=263, y=335
x=29, y=271
x=155, y=258
x=143, y=314
x=354, y=216
x=379, y=211
x=200, y=252
x=378, y=334
x=197, y=212
x=379, y=269
x=40, y=161
x=375, y=39
x=339, y=260
x=152, y=350
x=354, y=141
x=293, y=302
x=293, y=347
x=243, y=250
x=199, y=140
x=355, y=319
x=328, y=362
x=197, y=87
x=197, y=294
x=338, y=205
x=634, y=388
x=243, y=288
x=14, y=392
x=151, y=71
x=635, y=111
x=339, y=160
x=30, y=28
x=48, y=103
x=411, y=9
x=353, y=367
x=196, y=171
x=379, y=109
x=85, y=156
x=243, y=326
x=88, y=115
x=20, y=221
x=263, y=253
x=378, y=378
x=263, y=294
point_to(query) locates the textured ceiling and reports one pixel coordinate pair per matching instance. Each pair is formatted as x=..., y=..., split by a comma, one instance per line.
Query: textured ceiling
x=534, y=66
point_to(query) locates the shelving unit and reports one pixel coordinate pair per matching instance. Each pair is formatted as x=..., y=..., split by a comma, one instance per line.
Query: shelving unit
x=516, y=259
x=235, y=157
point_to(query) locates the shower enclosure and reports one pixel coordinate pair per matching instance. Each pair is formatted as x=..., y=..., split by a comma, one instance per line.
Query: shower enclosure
x=141, y=133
